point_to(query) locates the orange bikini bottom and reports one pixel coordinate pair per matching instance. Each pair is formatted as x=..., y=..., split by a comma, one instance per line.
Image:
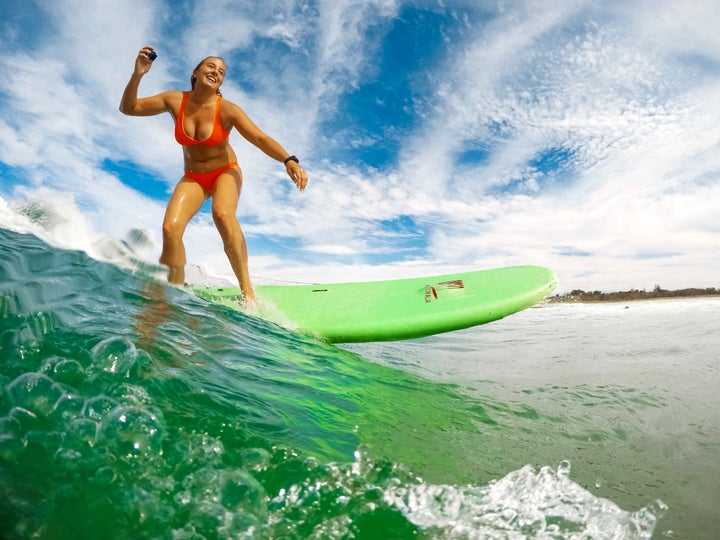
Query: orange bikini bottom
x=207, y=179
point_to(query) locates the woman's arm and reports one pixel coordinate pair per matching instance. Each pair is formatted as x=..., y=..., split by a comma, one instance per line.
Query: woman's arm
x=247, y=128
x=130, y=104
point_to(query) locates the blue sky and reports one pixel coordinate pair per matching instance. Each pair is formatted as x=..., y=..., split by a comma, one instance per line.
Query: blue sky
x=438, y=135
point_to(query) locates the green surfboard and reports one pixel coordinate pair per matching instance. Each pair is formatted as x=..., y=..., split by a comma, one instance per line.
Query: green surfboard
x=396, y=309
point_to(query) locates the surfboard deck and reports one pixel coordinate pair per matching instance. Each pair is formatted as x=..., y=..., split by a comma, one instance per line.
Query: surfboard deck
x=400, y=308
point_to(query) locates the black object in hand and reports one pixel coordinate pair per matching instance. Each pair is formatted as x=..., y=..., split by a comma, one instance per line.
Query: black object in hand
x=152, y=55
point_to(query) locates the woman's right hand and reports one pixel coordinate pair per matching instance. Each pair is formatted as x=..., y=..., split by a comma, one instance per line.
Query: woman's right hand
x=143, y=62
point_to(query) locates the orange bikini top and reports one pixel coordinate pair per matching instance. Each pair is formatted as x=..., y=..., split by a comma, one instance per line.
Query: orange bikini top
x=217, y=136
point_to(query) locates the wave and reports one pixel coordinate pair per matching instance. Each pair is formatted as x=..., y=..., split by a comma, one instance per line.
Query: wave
x=133, y=409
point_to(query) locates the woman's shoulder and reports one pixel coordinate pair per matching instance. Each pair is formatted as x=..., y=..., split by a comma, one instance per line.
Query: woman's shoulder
x=174, y=94
x=225, y=102
x=172, y=99
x=229, y=108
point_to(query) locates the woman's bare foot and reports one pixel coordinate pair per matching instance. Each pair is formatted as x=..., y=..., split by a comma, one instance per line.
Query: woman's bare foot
x=250, y=303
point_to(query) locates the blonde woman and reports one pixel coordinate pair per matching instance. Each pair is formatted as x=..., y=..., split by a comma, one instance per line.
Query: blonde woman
x=203, y=121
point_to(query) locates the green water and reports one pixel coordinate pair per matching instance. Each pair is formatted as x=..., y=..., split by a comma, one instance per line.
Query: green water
x=133, y=410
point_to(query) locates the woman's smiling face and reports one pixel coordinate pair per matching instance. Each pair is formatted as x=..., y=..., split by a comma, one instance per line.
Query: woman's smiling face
x=210, y=71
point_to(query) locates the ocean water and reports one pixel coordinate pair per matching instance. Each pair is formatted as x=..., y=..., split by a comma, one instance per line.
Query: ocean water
x=129, y=409
x=629, y=393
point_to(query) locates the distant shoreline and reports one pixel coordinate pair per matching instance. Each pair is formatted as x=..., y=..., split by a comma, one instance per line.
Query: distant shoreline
x=658, y=293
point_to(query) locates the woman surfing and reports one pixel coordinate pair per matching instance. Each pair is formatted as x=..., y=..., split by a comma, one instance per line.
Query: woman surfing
x=203, y=121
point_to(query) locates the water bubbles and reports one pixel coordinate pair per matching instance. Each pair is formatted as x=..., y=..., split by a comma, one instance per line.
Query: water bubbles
x=146, y=508
x=96, y=408
x=207, y=518
x=646, y=518
x=132, y=394
x=240, y=490
x=225, y=501
x=530, y=523
x=69, y=406
x=82, y=433
x=187, y=533
x=104, y=476
x=119, y=356
x=34, y=326
x=27, y=419
x=10, y=448
x=191, y=450
x=11, y=443
x=35, y=393
x=67, y=458
x=563, y=470
x=48, y=439
x=133, y=432
x=9, y=427
x=256, y=459
x=68, y=372
x=657, y=508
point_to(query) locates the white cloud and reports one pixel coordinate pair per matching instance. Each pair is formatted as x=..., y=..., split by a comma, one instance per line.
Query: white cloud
x=629, y=91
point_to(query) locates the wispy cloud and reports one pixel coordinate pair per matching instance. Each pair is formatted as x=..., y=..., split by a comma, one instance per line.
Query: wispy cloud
x=580, y=135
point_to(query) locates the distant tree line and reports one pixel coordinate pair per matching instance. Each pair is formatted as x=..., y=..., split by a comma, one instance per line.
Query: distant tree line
x=578, y=295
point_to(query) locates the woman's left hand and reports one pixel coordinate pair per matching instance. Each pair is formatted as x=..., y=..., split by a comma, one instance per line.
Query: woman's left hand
x=297, y=174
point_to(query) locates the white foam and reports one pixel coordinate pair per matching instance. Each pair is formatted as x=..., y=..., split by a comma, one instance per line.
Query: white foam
x=59, y=222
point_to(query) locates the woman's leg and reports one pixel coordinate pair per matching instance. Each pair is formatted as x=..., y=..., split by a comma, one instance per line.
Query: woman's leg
x=226, y=193
x=186, y=200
